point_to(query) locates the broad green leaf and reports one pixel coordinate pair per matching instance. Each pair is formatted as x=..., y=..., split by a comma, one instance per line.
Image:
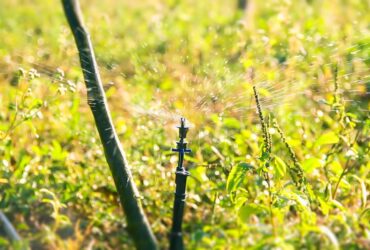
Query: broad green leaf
x=310, y=164
x=336, y=204
x=327, y=138
x=336, y=167
x=236, y=176
x=324, y=206
x=246, y=211
x=365, y=214
x=294, y=142
x=4, y=243
x=285, y=245
x=231, y=123
x=299, y=199
x=279, y=166
x=240, y=200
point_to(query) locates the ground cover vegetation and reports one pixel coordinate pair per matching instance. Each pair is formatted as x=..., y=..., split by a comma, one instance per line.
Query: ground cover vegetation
x=276, y=96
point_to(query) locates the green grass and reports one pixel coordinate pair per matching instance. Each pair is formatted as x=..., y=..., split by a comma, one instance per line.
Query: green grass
x=199, y=59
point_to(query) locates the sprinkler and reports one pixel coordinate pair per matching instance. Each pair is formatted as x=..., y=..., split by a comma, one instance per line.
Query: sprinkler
x=176, y=240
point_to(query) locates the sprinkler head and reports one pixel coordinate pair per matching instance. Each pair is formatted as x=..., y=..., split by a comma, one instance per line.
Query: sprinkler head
x=182, y=144
x=183, y=129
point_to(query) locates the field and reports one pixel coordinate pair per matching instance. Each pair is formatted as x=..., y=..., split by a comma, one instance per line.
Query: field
x=290, y=171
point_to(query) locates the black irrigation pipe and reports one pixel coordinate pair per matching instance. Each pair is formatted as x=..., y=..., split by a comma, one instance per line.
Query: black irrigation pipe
x=8, y=228
x=137, y=223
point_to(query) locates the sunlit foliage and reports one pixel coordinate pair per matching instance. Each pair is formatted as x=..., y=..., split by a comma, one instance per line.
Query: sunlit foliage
x=162, y=59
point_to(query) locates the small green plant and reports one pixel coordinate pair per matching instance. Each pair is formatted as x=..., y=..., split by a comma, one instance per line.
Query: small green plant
x=295, y=171
x=271, y=169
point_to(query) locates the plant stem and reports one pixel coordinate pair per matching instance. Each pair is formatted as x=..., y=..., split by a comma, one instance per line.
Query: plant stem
x=344, y=172
x=272, y=217
x=346, y=168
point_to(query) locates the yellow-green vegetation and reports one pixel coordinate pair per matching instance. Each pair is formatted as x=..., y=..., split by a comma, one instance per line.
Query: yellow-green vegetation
x=290, y=174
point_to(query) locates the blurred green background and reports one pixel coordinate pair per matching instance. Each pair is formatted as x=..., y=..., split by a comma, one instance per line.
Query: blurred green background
x=163, y=59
